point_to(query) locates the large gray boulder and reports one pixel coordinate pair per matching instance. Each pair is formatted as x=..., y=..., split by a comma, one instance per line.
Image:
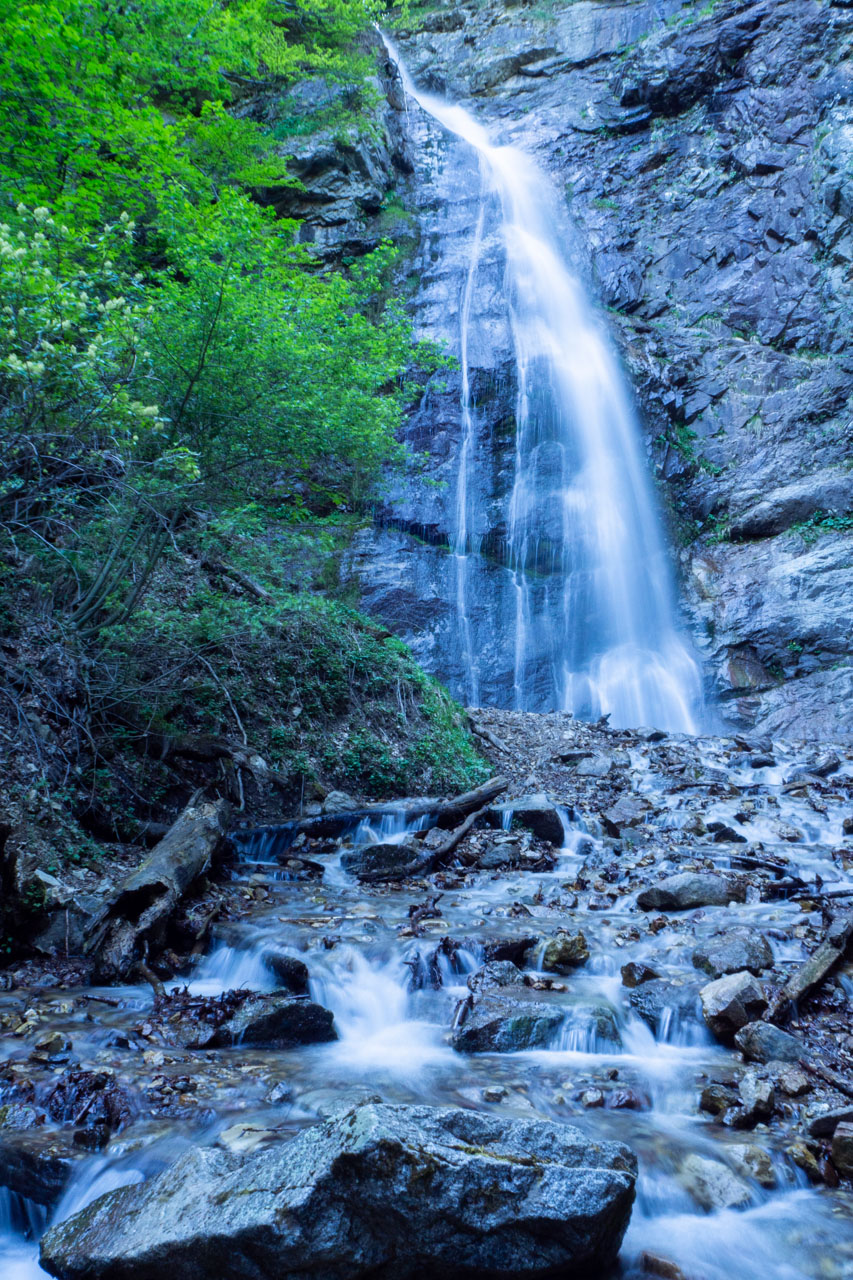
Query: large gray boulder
x=499, y=1023
x=389, y=1192
x=732, y=952
x=691, y=889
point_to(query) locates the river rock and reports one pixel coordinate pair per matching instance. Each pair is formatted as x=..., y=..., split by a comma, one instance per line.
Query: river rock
x=537, y=813
x=382, y=1190
x=825, y=1124
x=504, y=1024
x=495, y=975
x=661, y=1003
x=731, y=1003
x=757, y=1099
x=290, y=973
x=382, y=861
x=752, y=1161
x=732, y=952
x=565, y=952
x=691, y=889
x=712, y=1185
x=762, y=1042
x=38, y=1164
x=273, y=1021
x=635, y=973
x=842, y=1149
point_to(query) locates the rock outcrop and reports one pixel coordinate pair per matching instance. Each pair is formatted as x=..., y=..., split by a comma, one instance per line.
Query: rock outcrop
x=384, y=1191
x=705, y=156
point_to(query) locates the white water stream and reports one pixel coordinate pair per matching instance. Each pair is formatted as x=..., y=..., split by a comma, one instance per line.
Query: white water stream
x=594, y=627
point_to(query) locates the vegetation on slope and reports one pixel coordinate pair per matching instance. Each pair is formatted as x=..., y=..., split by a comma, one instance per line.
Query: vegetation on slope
x=193, y=414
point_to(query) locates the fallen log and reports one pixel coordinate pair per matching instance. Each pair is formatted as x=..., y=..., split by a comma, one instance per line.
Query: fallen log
x=815, y=969
x=432, y=812
x=135, y=920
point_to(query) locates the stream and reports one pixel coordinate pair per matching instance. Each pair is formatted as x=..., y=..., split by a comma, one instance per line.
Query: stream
x=714, y=1201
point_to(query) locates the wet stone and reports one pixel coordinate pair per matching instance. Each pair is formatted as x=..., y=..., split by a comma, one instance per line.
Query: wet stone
x=751, y=1161
x=379, y=861
x=733, y=951
x=842, y=1149
x=731, y=1003
x=662, y=1004
x=635, y=973
x=273, y=1021
x=495, y=975
x=762, y=1042
x=537, y=813
x=497, y=1024
x=290, y=973
x=825, y=1124
x=688, y=890
x=565, y=952
x=712, y=1185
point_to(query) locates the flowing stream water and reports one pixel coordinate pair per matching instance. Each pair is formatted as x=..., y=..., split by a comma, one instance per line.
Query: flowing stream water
x=590, y=620
x=605, y=1069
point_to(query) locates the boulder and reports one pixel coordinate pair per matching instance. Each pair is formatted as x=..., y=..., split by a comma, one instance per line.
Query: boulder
x=496, y=974
x=762, y=1042
x=635, y=973
x=565, y=952
x=825, y=1124
x=504, y=853
x=732, y=952
x=383, y=861
x=752, y=1161
x=628, y=811
x=377, y=1190
x=290, y=973
x=712, y=1185
x=537, y=813
x=757, y=1100
x=38, y=1164
x=273, y=1021
x=842, y=1149
x=506, y=1024
x=731, y=1003
x=661, y=1004
x=691, y=889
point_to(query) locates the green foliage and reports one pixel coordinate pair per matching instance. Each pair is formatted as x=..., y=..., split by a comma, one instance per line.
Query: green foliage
x=193, y=411
x=103, y=107
x=823, y=522
x=325, y=691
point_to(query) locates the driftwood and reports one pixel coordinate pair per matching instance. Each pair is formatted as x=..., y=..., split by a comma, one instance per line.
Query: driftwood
x=814, y=970
x=136, y=918
x=446, y=814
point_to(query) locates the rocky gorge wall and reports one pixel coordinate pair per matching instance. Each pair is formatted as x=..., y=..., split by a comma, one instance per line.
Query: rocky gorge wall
x=705, y=155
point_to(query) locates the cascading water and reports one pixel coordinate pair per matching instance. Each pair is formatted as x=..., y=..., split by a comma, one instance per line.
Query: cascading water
x=589, y=617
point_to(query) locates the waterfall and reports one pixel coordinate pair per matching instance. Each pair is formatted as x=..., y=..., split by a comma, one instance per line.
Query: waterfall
x=589, y=619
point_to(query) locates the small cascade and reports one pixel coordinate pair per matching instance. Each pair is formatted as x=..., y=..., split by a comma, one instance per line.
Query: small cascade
x=587, y=620
x=462, y=547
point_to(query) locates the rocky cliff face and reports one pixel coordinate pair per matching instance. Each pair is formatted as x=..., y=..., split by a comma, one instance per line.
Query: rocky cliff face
x=706, y=155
